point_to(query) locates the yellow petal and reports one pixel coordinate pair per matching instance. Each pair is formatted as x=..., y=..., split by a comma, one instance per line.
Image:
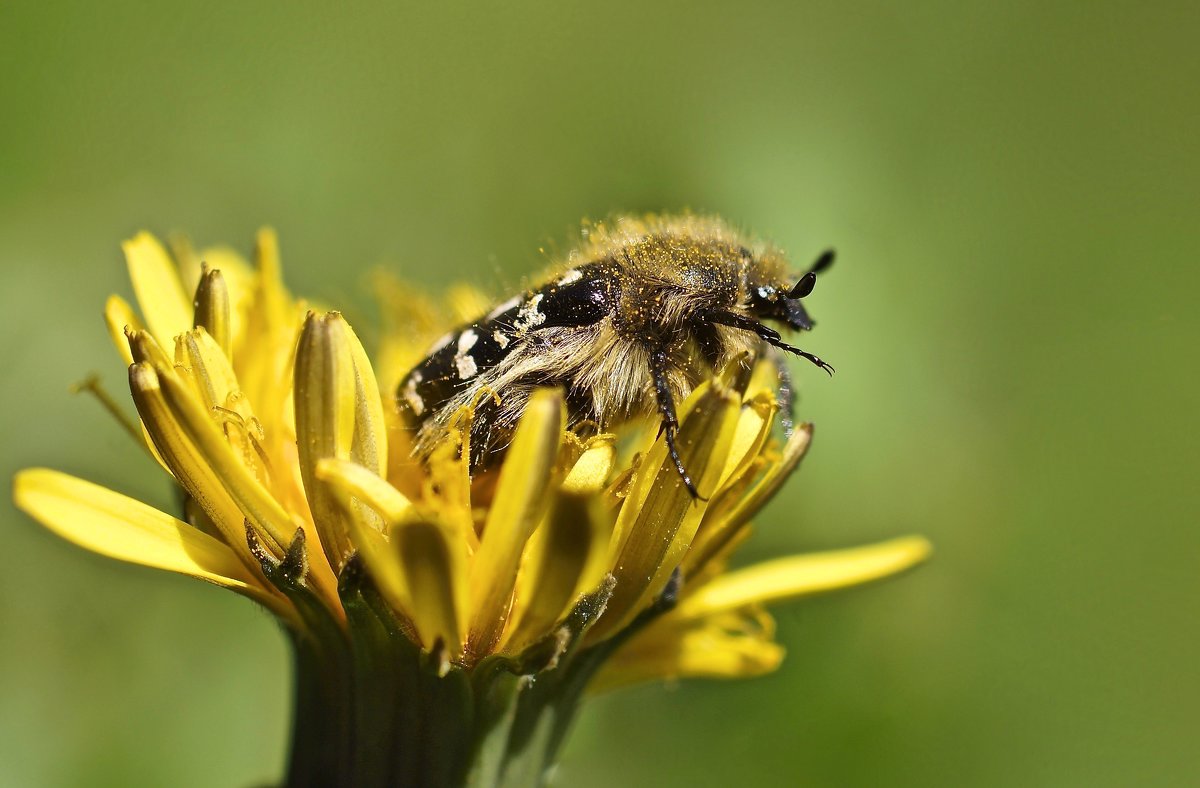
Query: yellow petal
x=239, y=281
x=185, y=461
x=266, y=257
x=764, y=380
x=433, y=565
x=749, y=504
x=116, y=526
x=160, y=294
x=559, y=560
x=118, y=316
x=263, y=347
x=519, y=503
x=753, y=430
x=229, y=261
x=725, y=647
x=362, y=483
x=369, y=447
x=144, y=347
x=351, y=483
x=213, y=311
x=709, y=555
x=422, y=572
x=565, y=556
x=140, y=347
x=199, y=427
x=123, y=324
x=199, y=358
x=187, y=262
x=803, y=575
x=659, y=517
x=325, y=409
x=207, y=467
x=205, y=366
x=590, y=472
x=716, y=530
x=745, y=462
x=720, y=630
x=447, y=479
x=467, y=303
x=339, y=415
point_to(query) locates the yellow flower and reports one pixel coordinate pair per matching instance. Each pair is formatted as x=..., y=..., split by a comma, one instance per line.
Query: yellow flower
x=582, y=562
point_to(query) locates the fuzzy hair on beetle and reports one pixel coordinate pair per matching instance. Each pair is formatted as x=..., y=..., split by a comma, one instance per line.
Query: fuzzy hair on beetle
x=628, y=324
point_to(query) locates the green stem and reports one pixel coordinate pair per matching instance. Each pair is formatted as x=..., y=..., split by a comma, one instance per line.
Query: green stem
x=375, y=711
x=320, y=729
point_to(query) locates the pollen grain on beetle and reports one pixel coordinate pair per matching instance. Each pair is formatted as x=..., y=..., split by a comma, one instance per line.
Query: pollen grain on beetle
x=579, y=558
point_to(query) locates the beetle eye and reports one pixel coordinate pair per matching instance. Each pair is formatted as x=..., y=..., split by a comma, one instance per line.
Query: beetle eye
x=804, y=286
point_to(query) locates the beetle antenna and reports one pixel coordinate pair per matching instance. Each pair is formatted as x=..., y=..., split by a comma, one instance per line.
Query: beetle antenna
x=823, y=262
x=804, y=286
x=809, y=280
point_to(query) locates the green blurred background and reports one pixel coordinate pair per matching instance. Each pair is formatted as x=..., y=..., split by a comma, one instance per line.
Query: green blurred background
x=1013, y=190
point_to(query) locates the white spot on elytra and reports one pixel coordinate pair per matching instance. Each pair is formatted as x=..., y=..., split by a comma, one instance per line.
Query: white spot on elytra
x=466, y=366
x=467, y=340
x=507, y=305
x=462, y=359
x=530, y=316
x=574, y=275
x=411, y=396
x=501, y=339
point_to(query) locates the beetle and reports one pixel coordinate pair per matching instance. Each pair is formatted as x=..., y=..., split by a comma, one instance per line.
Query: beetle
x=628, y=324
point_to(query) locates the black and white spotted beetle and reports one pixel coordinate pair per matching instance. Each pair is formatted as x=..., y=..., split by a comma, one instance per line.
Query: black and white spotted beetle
x=637, y=316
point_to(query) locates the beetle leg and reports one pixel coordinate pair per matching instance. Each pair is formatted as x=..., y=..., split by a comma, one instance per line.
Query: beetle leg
x=482, y=435
x=766, y=333
x=670, y=421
